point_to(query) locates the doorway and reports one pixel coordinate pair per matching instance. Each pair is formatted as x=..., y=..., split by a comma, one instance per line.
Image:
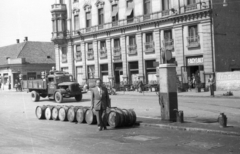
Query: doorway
x=118, y=73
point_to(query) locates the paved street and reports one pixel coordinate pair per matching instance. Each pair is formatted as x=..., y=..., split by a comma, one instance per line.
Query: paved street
x=21, y=132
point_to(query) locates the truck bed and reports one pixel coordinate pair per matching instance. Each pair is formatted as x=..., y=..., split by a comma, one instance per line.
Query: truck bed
x=34, y=84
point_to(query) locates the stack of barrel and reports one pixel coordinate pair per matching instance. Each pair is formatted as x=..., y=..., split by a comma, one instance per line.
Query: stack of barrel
x=116, y=117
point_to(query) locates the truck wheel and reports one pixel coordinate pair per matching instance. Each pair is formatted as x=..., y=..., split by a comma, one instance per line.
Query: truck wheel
x=35, y=96
x=78, y=97
x=58, y=97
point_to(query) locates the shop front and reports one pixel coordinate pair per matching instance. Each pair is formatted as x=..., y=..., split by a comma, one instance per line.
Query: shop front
x=133, y=72
x=104, y=73
x=194, y=69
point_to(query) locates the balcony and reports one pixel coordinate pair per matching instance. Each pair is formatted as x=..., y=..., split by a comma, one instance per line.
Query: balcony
x=165, y=13
x=103, y=53
x=168, y=44
x=193, y=41
x=149, y=47
x=78, y=56
x=132, y=50
x=142, y=18
x=191, y=7
x=59, y=7
x=90, y=55
x=59, y=37
x=117, y=53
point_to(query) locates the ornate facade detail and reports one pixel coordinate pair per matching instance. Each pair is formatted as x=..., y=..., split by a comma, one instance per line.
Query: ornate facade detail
x=113, y=1
x=87, y=7
x=76, y=11
x=99, y=4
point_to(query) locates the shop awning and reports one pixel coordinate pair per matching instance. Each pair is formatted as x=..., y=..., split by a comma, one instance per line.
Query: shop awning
x=114, y=13
x=129, y=12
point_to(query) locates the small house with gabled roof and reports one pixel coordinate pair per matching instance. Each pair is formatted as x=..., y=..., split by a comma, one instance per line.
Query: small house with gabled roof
x=27, y=58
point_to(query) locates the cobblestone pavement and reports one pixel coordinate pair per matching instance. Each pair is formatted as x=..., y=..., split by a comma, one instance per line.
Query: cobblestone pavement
x=22, y=132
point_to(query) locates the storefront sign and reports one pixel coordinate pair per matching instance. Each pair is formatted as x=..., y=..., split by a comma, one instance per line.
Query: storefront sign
x=195, y=60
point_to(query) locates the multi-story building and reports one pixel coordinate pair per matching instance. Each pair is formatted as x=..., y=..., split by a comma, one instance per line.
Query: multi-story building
x=122, y=40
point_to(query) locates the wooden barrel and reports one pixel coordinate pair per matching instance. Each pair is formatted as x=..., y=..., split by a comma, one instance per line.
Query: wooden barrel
x=80, y=114
x=71, y=114
x=55, y=112
x=133, y=116
x=62, y=114
x=48, y=112
x=127, y=118
x=90, y=117
x=40, y=112
x=113, y=118
x=121, y=117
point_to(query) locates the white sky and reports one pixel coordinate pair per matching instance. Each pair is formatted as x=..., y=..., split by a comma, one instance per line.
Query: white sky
x=20, y=18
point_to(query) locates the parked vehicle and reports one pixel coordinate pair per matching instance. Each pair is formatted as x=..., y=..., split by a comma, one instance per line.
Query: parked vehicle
x=55, y=85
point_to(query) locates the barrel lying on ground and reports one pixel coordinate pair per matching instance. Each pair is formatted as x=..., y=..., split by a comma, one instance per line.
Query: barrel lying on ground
x=63, y=113
x=55, y=112
x=40, y=112
x=90, y=117
x=116, y=117
x=48, y=112
x=80, y=114
x=71, y=114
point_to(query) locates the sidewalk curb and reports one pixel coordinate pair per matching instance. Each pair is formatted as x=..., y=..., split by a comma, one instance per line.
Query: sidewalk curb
x=189, y=129
x=225, y=97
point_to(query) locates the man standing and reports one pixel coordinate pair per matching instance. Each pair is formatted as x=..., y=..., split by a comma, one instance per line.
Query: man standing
x=211, y=84
x=100, y=102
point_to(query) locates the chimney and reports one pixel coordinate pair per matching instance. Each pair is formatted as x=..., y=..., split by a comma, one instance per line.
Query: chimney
x=17, y=41
x=26, y=39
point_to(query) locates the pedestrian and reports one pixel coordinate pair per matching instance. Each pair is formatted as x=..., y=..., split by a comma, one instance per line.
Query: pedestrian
x=140, y=85
x=193, y=81
x=189, y=84
x=16, y=85
x=211, y=84
x=100, y=103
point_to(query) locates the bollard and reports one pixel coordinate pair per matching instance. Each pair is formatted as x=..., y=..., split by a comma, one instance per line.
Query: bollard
x=222, y=119
x=180, y=116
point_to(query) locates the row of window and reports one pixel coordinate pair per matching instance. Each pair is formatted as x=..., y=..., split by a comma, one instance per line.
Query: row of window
x=193, y=41
x=129, y=13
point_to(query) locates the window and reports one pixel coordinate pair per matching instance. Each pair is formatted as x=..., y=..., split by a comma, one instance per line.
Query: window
x=165, y=5
x=78, y=53
x=59, y=25
x=129, y=12
x=100, y=16
x=91, y=71
x=31, y=75
x=76, y=1
x=189, y=2
x=90, y=47
x=102, y=45
x=116, y=43
x=76, y=22
x=88, y=19
x=79, y=72
x=132, y=40
x=192, y=31
x=167, y=35
x=64, y=55
x=193, y=38
x=149, y=37
x=114, y=13
x=147, y=6
x=61, y=1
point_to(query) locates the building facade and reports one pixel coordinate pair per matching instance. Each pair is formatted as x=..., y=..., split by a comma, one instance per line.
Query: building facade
x=123, y=40
x=27, y=58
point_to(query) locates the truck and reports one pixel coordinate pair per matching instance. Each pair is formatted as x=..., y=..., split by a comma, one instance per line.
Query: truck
x=55, y=85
